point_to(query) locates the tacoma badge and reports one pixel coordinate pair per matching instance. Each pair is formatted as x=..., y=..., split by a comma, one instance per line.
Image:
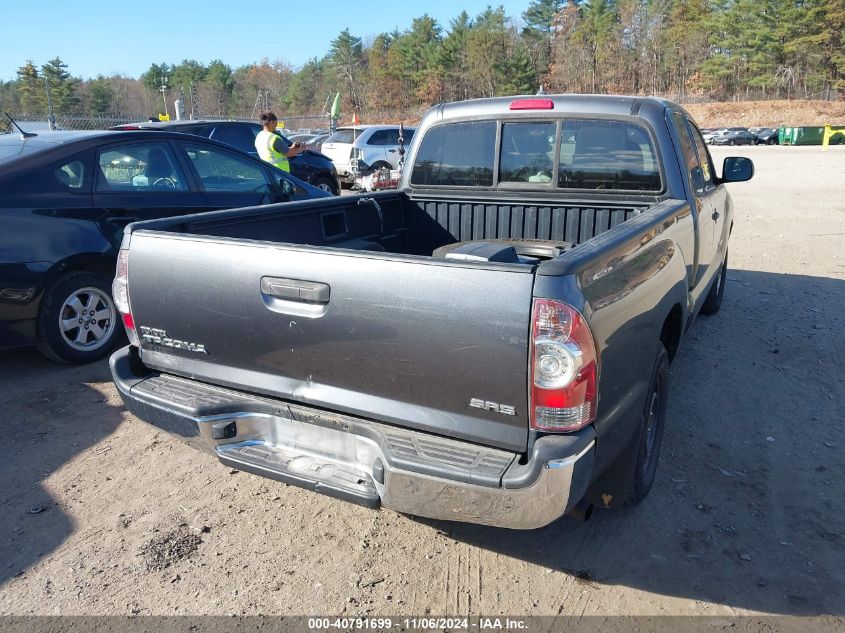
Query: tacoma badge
x=159, y=337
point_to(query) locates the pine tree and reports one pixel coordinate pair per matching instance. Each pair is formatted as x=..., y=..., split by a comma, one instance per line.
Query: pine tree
x=102, y=96
x=218, y=84
x=62, y=85
x=31, y=89
x=347, y=56
x=539, y=32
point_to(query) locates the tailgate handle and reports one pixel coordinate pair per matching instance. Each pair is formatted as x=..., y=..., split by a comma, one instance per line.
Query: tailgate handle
x=312, y=292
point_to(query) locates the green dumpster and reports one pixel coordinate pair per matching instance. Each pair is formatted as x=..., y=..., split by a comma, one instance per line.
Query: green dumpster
x=808, y=135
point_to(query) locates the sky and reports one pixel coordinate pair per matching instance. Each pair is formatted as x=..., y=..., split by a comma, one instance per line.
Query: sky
x=95, y=37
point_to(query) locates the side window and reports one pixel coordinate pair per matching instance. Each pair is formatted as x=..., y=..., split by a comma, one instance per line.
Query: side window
x=392, y=137
x=222, y=171
x=71, y=175
x=297, y=190
x=696, y=175
x=458, y=154
x=528, y=152
x=240, y=136
x=139, y=167
x=379, y=137
x=703, y=155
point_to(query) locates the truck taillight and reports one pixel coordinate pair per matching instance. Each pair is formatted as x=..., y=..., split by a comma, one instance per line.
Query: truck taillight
x=563, y=368
x=120, y=294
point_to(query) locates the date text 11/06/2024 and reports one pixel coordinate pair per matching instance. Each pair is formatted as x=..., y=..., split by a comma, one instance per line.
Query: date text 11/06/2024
x=423, y=623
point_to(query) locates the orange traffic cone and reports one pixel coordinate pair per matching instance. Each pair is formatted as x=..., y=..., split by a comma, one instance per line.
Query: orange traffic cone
x=354, y=118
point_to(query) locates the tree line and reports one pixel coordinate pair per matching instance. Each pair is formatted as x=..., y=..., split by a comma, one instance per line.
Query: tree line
x=685, y=49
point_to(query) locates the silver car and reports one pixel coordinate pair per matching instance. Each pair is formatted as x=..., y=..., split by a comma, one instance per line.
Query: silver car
x=355, y=150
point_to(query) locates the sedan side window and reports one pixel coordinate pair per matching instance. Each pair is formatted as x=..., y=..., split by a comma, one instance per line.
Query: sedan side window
x=71, y=175
x=139, y=167
x=222, y=171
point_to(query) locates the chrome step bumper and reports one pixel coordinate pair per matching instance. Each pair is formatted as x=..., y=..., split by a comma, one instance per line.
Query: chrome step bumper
x=362, y=461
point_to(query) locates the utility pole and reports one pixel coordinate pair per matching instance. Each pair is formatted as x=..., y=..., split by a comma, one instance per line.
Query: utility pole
x=163, y=91
x=51, y=120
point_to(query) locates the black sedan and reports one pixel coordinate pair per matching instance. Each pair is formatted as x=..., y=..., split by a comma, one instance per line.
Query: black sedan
x=735, y=138
x=767, y=136
x=65, y=198
x=310, y=166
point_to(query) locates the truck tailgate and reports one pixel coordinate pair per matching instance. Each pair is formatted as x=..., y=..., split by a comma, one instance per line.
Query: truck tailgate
x=410, y=341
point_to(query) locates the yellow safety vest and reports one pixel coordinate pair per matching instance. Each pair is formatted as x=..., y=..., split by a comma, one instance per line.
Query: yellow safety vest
x=264, y=145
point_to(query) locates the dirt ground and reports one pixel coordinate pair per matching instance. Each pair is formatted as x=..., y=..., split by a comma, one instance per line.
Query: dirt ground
x=102, y=514
x=768, y=113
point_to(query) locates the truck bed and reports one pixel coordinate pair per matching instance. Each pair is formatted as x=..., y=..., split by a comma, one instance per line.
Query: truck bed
x=410, y=226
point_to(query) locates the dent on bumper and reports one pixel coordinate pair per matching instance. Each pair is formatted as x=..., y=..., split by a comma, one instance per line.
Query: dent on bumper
x=528, y=496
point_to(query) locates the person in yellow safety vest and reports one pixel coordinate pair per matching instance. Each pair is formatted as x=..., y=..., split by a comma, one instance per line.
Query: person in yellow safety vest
x=271, y=147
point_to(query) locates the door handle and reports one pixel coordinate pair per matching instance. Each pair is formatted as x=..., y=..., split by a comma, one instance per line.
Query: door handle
x=392, y=151
x=296, y=290
x=715, y=215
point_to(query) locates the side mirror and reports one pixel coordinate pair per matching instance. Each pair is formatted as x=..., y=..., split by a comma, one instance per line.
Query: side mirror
x=286, y=187
x=737, y=169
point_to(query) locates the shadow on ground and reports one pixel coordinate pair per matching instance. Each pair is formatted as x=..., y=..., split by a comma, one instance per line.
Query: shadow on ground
x=49, y=414
x=747, y=509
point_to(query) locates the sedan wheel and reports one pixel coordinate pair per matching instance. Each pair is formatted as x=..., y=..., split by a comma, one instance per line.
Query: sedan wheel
x=77, y=320
x=86, y=319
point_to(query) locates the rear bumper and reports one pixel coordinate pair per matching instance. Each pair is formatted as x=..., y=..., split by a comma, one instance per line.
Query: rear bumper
x=361, y=461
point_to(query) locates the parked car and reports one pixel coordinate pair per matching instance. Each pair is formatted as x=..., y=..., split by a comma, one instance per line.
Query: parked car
x=767, y=136
x=301, y=137
x=355, y=150
x=709, y=135
x=734, y=138
x=316, y=143
x=490, y=343
x=65, y=198
x=310, y=166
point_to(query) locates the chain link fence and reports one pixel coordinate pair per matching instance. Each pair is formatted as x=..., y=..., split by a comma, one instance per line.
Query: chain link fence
x=43, y=122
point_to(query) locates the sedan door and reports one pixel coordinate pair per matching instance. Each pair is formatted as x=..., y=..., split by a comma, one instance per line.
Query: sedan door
x=142, y=180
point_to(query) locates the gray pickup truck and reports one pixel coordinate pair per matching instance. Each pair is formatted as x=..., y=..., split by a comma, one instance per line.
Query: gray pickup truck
x=490, y=343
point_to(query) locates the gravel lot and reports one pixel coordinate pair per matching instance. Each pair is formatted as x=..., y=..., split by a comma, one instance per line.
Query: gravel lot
x=101, y=514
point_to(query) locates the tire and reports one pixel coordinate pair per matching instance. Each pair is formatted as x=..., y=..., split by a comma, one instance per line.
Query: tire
x=731, y=143
x=717, y=290
x=326, y=184
x=67, y=333
x=650, y=436
x=381, y=165
x=771, y=141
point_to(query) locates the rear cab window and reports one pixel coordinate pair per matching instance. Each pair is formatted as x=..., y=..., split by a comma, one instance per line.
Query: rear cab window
x=457, y=154
x=607, y=154
x=567, y=153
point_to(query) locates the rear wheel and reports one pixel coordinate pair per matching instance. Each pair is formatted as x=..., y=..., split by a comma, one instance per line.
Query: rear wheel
x=714, y=298
x=651, y=432
x=731, y=143
x=324, y=183
x=77, y=321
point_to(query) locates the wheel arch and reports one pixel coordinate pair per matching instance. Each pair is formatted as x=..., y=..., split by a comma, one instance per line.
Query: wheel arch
x=672, y=330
